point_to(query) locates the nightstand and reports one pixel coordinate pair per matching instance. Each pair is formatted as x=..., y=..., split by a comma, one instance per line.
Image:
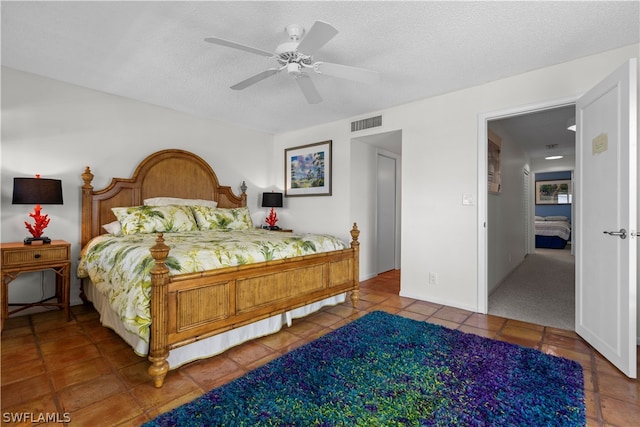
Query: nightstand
x=18, y=258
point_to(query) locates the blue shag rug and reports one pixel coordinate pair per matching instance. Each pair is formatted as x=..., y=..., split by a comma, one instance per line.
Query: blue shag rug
x=387, y=370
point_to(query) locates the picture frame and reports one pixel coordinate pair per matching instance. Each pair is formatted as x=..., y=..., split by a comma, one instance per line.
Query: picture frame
x=556, y=192
x=307, y=170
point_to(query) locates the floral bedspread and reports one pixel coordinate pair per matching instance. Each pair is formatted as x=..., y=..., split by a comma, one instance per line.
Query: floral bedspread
x=119, y=266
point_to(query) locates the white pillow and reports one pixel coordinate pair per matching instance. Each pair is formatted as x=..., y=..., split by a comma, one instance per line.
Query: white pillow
x=166, y=201
x=113, y=228
x=556, y=218
x=540, y=218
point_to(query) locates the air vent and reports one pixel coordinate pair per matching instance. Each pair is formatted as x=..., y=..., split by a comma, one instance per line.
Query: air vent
x=363, y=124
x=551, y=146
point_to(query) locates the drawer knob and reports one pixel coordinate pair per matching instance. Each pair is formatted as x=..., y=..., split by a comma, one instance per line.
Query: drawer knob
x=37, y=256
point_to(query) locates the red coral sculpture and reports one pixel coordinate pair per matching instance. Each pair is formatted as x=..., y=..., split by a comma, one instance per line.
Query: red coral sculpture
x=41, y=222
x=272, y=218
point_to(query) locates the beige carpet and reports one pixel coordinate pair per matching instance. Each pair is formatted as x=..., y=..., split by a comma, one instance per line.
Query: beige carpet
x=541, y=290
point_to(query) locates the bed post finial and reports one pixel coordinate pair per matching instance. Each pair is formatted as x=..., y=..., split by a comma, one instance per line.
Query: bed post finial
x=87, y=208
x=355, y=233
x=355, y=245
x=87, y=177
x=158, y=347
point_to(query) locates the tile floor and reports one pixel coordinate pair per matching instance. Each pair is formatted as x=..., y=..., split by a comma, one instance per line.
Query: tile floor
x=84, y=372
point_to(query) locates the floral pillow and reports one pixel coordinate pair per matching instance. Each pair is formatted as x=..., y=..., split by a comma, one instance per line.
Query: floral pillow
x=222, y=219
x=155, y=219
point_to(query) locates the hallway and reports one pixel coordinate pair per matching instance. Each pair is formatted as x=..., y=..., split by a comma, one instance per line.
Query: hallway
x=540, y=290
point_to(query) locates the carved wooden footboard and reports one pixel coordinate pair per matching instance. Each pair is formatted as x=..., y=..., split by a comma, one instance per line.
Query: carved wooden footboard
x=191, y=307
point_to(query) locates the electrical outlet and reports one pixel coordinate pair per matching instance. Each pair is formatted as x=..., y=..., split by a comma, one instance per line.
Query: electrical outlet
x=433, y=278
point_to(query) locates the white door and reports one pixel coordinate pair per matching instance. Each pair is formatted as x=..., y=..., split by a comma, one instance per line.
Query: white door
x=386, y=206
x=606, y=215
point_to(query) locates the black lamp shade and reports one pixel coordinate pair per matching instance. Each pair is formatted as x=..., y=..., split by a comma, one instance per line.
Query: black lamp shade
x=37, y=191
x=272, y=200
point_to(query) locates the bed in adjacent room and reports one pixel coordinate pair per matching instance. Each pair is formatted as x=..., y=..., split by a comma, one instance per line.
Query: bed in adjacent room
x=553, y=232
x=173, y=264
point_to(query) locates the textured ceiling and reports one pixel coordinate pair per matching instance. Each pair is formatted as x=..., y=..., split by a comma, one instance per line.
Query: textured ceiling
x=154, y=51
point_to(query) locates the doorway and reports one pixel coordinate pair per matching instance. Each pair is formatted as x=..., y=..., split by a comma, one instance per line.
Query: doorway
x=606, y=119
x=509, y=252
x=514, y=282
x=377, y=175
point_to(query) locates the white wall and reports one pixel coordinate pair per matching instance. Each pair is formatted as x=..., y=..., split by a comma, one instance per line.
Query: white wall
x=353, y=197
x=321, y=213
x=57, y=129
x=506, y=238
x=439, y=164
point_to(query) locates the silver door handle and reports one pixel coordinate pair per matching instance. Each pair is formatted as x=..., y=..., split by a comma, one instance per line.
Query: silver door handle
x=622, y=233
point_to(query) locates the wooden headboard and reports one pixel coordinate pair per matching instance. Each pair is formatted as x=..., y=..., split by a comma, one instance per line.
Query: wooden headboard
x=167, y=173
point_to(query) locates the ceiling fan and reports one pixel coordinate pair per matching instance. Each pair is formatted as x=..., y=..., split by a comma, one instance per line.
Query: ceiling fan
x=295, y=57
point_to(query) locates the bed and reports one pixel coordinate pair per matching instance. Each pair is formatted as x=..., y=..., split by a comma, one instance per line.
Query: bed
x=202, y=310
x=553, y=232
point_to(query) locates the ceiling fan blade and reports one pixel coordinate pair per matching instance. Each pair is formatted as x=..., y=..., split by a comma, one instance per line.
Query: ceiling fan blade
x=255, y=79
x=346, y=72
x=235, y=45
x=319, y=34
x=308, y=89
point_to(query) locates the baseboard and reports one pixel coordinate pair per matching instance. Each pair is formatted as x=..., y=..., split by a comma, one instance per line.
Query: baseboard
x=439, y=301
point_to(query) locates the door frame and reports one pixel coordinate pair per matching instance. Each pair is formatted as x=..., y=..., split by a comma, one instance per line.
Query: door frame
x=483, y=119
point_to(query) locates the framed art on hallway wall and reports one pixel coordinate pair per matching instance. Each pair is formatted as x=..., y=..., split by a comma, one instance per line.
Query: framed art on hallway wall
x=307, y=170
x=556, y=192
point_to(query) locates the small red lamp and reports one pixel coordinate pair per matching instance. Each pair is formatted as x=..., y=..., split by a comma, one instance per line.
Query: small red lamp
x=272, y=200
x=38, y=191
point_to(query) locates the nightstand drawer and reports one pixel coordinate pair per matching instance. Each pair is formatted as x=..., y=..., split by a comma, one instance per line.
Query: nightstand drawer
x=34, y=255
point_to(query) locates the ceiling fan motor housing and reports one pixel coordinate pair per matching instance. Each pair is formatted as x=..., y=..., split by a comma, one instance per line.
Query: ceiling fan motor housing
x=288, y=53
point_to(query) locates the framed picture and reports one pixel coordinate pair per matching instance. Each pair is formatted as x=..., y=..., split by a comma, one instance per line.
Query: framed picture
x=307, y=170
x=553, y=192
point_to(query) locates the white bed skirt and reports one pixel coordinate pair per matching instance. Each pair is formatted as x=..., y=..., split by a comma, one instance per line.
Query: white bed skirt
x=210, y=346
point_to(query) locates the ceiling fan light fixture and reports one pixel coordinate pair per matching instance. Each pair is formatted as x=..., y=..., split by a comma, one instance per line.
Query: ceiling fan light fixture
x=293, y=68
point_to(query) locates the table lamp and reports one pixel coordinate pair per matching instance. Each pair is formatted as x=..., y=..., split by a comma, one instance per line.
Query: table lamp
x=38, y=191
x=272, y=200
